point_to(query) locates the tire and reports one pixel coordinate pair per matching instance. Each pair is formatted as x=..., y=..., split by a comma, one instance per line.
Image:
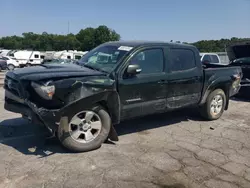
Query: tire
x=11, y=67
x=79, y=144
x=0, y=69
x=206, y=109
x=28, y=65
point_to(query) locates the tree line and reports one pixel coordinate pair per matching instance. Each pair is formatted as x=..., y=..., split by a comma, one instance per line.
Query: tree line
x=88, y=38
x=84, y=40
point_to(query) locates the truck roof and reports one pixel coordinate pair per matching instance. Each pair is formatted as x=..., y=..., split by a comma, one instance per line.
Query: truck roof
x=205, y=53
x=135, y=43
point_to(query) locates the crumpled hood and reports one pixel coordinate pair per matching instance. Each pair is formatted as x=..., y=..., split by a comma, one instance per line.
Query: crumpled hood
x=238, y=51
x=51, y=71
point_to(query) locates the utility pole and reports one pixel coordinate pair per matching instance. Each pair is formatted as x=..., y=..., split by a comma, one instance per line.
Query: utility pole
x=67, y=38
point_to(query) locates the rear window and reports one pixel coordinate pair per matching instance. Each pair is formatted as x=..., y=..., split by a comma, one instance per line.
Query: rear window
x=182, y=59
x=215, y=59
x=207, y=58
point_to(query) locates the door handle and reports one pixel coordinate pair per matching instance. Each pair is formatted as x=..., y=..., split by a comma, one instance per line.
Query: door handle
x=197, y=78
x=162, y=82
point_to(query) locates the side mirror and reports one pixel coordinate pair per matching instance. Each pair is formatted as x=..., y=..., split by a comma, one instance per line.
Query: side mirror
x=133, y=69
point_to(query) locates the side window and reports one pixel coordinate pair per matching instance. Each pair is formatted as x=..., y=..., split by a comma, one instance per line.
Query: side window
x=78, y=57
x=215, y=59
x=150, y=61
x=207, y=58
x=36, y=56
x=5, y=58
x=182, y=59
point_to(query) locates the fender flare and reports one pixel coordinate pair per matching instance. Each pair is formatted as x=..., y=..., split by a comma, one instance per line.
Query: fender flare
x=220, y=83
x=108, y=99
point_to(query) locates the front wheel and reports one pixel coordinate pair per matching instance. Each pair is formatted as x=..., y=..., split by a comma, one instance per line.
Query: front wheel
x=87, y=129
x=214, y=106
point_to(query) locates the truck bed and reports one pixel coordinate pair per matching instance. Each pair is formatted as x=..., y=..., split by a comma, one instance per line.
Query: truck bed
x=219, y=73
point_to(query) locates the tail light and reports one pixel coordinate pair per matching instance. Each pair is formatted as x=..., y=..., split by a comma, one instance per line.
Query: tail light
x=236, y=80
x=236, y=76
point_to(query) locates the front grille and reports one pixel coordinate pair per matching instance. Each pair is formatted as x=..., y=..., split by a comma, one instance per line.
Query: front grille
x=12, y=85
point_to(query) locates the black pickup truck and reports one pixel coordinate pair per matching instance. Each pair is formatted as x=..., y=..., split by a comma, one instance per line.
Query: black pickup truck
x=116, y=81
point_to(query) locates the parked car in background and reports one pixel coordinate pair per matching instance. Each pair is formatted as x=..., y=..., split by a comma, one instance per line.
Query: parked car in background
x=4, y=52
x=3, y=64
x=81, y=103
x=239, y=55
x=210, y=58
x=12, y=62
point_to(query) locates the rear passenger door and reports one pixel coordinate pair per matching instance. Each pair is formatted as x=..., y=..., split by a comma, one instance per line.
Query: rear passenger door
x=185, y=78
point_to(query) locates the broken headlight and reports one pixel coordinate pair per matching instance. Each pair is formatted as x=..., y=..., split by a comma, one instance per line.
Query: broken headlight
x=46, y=90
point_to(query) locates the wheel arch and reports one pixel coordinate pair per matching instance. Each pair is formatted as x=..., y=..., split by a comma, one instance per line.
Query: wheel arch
x=223, y=84
x=110, y=100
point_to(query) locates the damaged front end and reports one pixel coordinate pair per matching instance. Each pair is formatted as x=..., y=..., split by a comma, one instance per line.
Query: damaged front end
x=14, y=102
x=45, y=102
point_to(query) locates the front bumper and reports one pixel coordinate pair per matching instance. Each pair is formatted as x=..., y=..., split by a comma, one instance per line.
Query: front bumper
x=49, y=118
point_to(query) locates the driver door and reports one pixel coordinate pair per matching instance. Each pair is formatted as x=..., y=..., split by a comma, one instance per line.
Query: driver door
x=143, y=93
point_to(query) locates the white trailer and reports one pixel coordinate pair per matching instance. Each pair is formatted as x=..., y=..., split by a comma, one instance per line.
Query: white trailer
x=71, y=54
x=27, y=58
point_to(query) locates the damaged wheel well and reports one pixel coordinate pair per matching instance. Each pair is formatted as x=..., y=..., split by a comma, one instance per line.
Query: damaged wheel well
x=113, y=112
x=104, y=105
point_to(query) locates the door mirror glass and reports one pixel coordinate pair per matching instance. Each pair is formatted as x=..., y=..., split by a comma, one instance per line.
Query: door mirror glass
x=133, y=69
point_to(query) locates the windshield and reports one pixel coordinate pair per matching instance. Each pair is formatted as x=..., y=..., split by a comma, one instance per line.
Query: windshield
x=103, y=58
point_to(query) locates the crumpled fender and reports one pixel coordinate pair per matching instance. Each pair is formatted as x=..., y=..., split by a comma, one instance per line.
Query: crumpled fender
x=108, y=99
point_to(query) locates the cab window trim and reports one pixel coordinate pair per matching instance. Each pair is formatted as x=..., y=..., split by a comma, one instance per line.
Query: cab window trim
x=185, y=70
x=133, y=54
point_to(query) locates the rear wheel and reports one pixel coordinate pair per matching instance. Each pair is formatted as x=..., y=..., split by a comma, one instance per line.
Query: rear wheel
x=215, y=105
x=87, y=129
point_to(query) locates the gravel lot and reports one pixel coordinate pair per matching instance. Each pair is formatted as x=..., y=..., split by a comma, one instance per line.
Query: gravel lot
x=174, y=150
